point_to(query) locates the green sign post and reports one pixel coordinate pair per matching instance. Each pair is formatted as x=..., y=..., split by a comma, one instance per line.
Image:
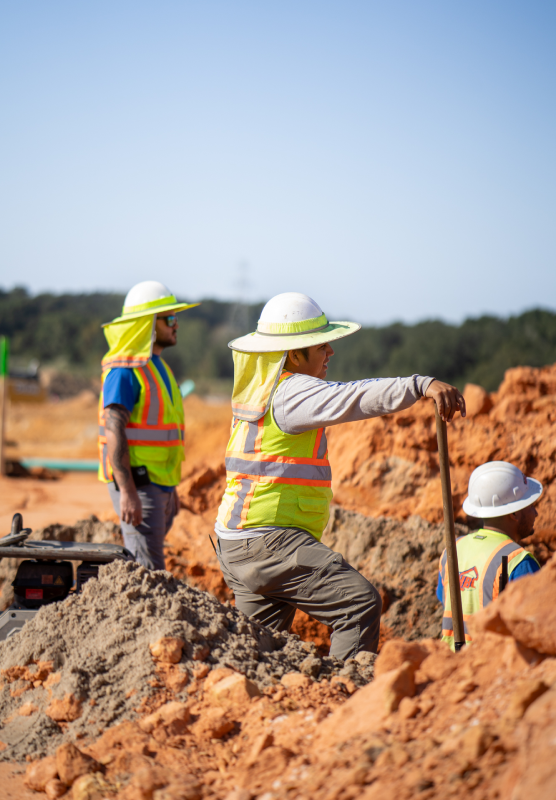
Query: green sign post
x=4, y=367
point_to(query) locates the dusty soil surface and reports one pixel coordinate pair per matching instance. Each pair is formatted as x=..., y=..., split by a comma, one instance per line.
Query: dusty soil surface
x=13, y=787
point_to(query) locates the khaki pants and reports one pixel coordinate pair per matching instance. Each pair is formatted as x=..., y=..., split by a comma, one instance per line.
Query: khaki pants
x=274, y=574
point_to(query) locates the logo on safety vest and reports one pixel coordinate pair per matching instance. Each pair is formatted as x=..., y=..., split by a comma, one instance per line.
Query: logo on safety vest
x=467, y=578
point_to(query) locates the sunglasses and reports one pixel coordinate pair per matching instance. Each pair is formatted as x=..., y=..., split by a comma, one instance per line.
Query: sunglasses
x=170, y=320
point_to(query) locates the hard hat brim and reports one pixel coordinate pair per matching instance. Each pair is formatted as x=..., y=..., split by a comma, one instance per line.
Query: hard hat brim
x=534, y=491
x=151, y=312
x=263, y=343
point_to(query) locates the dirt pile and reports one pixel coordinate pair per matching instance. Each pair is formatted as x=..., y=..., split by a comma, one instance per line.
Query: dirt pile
x=389, y=465
x=480, y=724
x=85, y=530
x=91, y=660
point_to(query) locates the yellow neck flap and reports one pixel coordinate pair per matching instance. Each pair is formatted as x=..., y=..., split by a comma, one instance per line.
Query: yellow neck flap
x=255, y=379
x=130, y=343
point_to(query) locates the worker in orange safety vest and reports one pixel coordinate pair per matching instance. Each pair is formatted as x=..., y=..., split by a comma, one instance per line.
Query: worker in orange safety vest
x=141, y=421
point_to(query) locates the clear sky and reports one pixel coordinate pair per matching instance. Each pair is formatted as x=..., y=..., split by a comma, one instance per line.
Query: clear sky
x=394, y=159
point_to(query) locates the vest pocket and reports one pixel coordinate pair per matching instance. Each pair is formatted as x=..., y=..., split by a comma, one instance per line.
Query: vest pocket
x=311, y=512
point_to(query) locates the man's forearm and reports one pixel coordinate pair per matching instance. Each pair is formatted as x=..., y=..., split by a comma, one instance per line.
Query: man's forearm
x=116, y=419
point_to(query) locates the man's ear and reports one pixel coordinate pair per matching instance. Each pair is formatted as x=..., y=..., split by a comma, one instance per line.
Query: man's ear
x=294, y=357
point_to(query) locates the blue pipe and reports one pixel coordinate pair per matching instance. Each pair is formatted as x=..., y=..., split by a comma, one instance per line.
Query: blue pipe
x=65, y=464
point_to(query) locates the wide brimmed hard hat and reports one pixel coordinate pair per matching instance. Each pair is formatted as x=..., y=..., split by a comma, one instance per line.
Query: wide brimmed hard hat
x=147, y=298
x=498, y=488
x=290, y=321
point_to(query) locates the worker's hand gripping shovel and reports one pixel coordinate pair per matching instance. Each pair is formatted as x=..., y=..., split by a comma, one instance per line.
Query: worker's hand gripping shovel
x=449, y=532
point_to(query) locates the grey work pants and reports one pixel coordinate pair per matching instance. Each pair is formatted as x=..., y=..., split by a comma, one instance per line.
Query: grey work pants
x=274, y=574
x=146, y=541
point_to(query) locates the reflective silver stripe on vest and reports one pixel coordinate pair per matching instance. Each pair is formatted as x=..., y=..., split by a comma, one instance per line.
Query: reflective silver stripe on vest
x=444, y=560
x=448, y=625
x=323, y=446
x=276, y=469
x=493, y=567
x=244, y=415
x=154, y=405
x=250, y=439
x=235, y=518
x=148, y=435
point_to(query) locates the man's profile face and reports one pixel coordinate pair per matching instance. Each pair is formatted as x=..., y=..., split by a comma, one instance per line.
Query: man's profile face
x=316, y=363
x=166, y=335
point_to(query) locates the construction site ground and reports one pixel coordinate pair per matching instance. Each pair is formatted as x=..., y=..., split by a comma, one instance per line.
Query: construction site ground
x=209, y=707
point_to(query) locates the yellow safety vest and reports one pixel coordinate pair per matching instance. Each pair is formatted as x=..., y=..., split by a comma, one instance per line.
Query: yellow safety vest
x=155, y=431
x=480, y=566
x=275, y=478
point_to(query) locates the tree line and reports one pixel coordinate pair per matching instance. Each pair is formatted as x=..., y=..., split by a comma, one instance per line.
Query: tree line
x=64, y=330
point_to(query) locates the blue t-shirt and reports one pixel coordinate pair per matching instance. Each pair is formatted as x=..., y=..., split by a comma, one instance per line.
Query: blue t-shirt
x=527, y=567
x=122, y=387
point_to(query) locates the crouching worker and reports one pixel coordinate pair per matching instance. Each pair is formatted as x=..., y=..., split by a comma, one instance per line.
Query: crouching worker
x=278, y=492
x=503, y=498
x=141, y=424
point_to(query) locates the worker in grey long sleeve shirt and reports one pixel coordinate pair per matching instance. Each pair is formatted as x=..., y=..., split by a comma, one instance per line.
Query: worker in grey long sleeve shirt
x=278, y=490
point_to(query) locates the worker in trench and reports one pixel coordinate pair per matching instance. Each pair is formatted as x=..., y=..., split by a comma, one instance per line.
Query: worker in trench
x=141, y=422
x=503, y=499
x=278, y=486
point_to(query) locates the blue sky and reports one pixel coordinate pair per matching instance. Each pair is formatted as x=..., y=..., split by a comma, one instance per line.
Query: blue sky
x=394, y=160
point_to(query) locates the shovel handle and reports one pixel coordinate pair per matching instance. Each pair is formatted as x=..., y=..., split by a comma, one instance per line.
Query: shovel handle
x=450, y=532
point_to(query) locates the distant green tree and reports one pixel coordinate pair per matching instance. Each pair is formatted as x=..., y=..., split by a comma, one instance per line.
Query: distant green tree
x=67, y=329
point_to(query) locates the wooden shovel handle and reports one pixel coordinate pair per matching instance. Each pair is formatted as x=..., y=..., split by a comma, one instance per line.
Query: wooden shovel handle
x=450, y=532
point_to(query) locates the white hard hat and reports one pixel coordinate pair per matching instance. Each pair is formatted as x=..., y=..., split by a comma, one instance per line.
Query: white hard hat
x=148, y=298
x=146, y=292
x=291, y=321
x=498, y=488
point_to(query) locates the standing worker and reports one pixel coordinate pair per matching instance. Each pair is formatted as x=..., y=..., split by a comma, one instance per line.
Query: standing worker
x=503, y=498
x=277, y=498
x=141, y=422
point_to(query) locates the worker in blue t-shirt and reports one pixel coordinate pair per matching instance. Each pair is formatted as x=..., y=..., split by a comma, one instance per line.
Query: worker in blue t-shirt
x=141, y=420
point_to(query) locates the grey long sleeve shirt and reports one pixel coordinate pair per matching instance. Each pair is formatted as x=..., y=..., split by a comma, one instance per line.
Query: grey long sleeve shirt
x=303, y=403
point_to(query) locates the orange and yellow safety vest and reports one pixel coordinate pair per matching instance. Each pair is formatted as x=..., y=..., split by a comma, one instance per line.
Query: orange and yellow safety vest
x=480, y=566
x=275, y=478
x=155, y=431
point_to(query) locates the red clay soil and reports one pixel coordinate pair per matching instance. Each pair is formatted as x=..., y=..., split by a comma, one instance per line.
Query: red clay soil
x=479, y=725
